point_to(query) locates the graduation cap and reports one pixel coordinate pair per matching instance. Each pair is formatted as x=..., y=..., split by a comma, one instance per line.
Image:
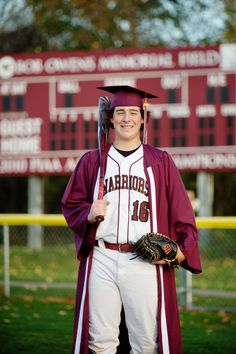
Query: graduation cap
x=124, y=95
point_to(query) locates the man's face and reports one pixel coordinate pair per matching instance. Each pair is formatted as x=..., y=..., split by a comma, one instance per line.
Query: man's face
x=127, y=123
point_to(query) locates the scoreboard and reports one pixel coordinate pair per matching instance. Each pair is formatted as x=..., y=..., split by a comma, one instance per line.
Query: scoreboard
x=49, y=105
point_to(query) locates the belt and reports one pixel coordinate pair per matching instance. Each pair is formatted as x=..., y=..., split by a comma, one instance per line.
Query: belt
x=120, y=247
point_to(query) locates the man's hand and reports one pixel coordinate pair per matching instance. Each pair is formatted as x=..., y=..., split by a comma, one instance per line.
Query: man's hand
x=98, y=208
x=180, y=257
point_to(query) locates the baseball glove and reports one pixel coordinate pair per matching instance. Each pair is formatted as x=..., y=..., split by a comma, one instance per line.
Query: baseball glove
x=155, y=246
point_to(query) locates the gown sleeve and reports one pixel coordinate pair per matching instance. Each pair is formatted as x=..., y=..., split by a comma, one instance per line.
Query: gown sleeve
x=77, y=199
x=181, y=217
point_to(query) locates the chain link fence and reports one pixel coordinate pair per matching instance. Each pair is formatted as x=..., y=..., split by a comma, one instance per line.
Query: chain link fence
x=49, y=266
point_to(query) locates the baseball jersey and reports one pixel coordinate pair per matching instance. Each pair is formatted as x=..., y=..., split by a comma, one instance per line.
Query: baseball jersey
x=125, y=186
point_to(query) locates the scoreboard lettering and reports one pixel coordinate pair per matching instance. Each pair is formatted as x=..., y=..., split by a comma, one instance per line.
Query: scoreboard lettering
x=48, y=105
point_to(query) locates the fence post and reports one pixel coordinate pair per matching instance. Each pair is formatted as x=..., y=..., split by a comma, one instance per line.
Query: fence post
x=186, y=292
x=6, y=258
x=35, y=206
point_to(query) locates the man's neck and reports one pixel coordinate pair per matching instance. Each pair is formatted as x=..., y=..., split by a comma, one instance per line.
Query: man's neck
x=126, y=153
x=126, y=146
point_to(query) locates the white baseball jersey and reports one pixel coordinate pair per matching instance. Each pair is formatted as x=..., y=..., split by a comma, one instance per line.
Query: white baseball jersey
x=127, y=216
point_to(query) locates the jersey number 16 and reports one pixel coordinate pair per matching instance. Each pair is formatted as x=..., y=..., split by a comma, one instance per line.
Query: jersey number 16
x=140, y=211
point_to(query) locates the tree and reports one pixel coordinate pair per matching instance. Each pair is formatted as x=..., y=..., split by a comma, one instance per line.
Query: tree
x=82, y=24
x=230, y=24
x=13, y=15
x=17, y=29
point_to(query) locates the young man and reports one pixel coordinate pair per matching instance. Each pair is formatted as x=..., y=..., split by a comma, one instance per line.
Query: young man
x=143, y=192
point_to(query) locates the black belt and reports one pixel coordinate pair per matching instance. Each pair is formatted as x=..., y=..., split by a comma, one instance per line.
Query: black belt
x=121, y=247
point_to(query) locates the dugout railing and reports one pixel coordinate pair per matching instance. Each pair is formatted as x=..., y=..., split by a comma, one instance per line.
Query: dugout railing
x=214, y=289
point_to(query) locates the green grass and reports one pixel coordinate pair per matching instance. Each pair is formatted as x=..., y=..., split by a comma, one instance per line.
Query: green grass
x=209, y=302
x=41, y=326
x=205, y=333
x=51, y=264
x=39, y=319
x=35, y=327
x=57, y=263
x=218, y=273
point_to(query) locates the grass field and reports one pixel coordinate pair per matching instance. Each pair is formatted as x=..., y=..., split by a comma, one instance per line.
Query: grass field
x=39, y=319
x=35, y=327
x=58, y=264
x=44, y=326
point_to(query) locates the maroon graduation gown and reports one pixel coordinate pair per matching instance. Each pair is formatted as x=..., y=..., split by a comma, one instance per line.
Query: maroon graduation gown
x=171, y=213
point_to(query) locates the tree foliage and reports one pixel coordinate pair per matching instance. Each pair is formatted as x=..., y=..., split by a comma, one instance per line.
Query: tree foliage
x=18, y=31
x=230, y=24
x=80, y=24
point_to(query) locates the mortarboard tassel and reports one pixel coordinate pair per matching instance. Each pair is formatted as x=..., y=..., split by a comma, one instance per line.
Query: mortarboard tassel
x=145, y=105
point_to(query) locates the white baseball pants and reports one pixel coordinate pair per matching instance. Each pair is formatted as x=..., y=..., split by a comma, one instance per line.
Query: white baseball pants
x=115, y=280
